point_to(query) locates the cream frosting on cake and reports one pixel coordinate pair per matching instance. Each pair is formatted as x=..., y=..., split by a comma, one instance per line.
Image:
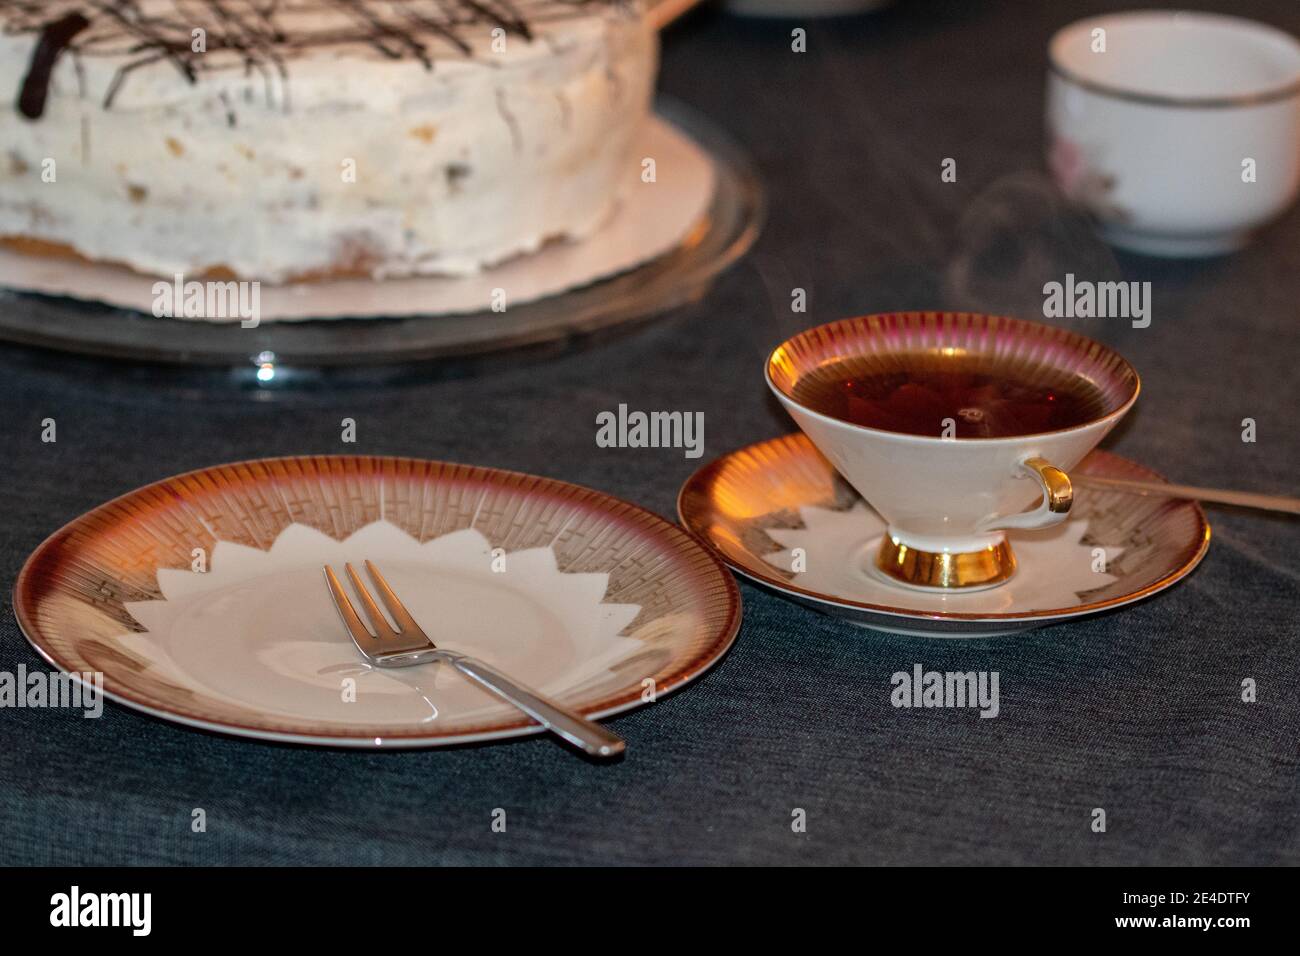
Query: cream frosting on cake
x=312, y=138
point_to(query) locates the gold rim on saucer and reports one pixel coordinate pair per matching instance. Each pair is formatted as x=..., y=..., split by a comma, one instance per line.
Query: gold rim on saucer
x=664, y=608
x=743, y=502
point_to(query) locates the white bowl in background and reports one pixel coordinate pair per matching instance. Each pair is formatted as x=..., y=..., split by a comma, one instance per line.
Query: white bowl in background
x=1158, y=133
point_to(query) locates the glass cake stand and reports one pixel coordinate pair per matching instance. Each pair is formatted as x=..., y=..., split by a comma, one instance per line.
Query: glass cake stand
x=276, y=351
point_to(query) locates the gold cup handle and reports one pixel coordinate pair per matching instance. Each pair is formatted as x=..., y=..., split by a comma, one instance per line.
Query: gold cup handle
x=1058, y=495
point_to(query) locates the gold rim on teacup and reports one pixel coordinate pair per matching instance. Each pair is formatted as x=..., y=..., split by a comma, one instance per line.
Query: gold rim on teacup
x=949, y=501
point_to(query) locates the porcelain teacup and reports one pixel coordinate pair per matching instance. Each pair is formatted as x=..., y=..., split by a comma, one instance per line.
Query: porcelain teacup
x=949, y=500
x=1179, y=131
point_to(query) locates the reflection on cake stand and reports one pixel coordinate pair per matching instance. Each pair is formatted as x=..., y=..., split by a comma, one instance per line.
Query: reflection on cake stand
x=554, y=296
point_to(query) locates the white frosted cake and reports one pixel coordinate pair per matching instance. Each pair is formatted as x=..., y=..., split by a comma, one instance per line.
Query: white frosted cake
x=312, y=139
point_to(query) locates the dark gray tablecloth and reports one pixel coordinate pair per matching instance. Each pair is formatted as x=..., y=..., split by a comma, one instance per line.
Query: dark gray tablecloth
x=1138, y=712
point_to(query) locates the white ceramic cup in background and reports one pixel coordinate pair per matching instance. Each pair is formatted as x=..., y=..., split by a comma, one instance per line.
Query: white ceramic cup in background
x=948, y=501
x=1157, y=122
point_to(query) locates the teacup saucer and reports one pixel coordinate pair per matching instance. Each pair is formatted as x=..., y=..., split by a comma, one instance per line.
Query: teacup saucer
x=779, y=504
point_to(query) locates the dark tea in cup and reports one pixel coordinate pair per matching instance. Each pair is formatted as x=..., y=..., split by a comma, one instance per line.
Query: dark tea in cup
x=949, y=397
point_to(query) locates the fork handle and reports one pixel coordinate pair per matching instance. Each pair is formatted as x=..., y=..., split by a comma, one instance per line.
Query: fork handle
x=573, y=727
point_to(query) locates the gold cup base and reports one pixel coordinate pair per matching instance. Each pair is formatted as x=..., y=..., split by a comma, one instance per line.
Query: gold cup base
x=936, y=569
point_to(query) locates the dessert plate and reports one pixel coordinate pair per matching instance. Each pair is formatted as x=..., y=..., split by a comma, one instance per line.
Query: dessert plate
x=780, y=514
x=663, y=249
x=201, y=599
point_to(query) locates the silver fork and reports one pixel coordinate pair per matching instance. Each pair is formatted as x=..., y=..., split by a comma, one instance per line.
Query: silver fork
x=408, y=645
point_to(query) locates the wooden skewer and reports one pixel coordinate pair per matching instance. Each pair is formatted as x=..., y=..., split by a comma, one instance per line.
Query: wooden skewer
x=1244, y=499
x=664, y=12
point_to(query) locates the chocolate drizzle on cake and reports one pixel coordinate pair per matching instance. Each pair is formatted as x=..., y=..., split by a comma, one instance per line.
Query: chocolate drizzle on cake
x=54, y=40
x=260, y=36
